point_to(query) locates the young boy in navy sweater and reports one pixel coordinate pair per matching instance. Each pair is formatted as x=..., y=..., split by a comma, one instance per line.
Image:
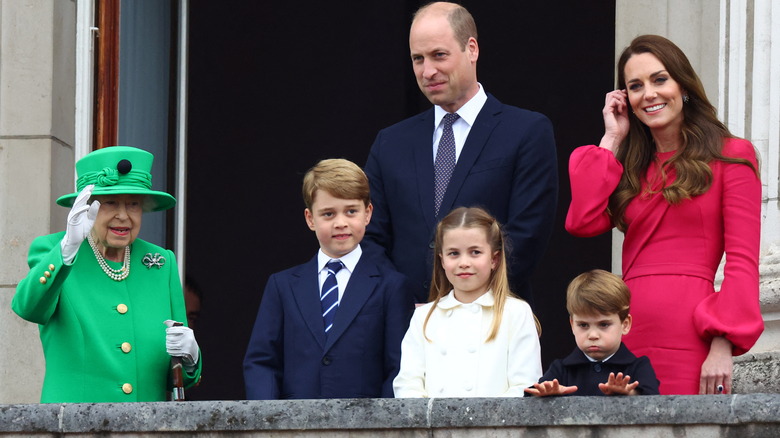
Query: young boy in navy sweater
x=598, y=303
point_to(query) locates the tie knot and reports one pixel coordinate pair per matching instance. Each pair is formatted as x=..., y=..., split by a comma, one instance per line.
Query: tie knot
x=334, y=266
x=450, y=118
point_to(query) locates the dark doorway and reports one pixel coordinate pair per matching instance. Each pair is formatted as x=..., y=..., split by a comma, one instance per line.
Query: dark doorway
x=276, y=86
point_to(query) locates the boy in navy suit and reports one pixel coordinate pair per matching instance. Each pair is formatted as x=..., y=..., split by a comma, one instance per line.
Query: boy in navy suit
x=598, y=303
x=332, y=327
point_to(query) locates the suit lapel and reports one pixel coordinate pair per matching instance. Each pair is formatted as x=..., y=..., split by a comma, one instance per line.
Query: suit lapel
x=421, y=138
x=305, y=291
x=478, y=136
x=362, y=284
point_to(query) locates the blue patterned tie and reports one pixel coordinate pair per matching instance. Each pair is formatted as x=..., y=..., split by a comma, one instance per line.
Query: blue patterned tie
x=445, y=161
x=329, y=298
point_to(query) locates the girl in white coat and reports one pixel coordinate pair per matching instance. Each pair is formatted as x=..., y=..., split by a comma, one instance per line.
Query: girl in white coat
x=475, y=339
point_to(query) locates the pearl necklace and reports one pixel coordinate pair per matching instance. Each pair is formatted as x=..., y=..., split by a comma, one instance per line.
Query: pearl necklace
x=114, y=274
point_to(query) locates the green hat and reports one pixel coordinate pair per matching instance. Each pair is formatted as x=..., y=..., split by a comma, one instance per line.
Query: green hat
x=119, y=170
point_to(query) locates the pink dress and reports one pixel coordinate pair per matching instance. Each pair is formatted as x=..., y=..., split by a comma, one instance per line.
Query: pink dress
x=670, y=255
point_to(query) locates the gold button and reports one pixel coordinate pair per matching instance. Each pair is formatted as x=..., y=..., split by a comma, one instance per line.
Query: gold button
x=51, y=268
x=47, y=274
x=127, y=388
x=126, y=347
x=121, y=308
x=42, y=280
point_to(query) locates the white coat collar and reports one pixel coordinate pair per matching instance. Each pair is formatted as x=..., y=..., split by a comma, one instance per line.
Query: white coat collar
x=450, y=302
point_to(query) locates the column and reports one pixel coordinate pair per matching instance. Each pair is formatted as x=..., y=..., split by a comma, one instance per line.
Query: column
x=37, y=76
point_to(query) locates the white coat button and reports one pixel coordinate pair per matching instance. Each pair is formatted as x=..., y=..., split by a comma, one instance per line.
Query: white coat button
x=443, y=351
x=472, y=349
x=449, y=313
x=475, y=308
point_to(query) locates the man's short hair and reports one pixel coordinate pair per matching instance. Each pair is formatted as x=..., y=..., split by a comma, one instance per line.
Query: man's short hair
x=460, y=19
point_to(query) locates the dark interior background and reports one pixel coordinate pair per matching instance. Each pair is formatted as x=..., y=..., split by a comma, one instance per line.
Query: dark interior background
x=276, y=86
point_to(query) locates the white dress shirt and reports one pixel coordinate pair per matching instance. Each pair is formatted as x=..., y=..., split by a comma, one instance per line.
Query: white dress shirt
x=350, y=260
x=457, y=362
x=460, y=129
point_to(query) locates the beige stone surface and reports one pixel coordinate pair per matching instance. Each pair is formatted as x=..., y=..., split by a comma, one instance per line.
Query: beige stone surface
x=26, y=69
x=37, y=113
x=21, y=357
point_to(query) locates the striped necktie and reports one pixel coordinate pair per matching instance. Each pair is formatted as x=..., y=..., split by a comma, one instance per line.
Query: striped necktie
x=329, y=298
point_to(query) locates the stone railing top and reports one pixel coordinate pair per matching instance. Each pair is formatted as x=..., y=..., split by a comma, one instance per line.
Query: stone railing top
x=389, y=414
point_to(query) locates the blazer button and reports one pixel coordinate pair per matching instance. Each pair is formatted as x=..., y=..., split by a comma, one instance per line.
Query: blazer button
x=121, y=308
x=432, y=245
x=597, y=367
x=47, y=274
x=127, y=388
x=126, y=347
x=42, y=280
x=326, y=360
x=51, y=268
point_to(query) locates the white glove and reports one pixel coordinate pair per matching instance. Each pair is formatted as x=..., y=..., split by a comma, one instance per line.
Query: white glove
x=180, y=341
x=80, y=221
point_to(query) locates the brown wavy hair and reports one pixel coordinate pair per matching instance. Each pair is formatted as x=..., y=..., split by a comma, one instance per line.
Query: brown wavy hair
x=473, y=217
x=702, y=135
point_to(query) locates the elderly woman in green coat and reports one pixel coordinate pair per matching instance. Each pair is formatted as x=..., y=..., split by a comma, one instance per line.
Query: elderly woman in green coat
x=102, y=297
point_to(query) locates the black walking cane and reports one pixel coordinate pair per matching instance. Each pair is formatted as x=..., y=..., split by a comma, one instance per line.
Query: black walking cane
x=178, y=374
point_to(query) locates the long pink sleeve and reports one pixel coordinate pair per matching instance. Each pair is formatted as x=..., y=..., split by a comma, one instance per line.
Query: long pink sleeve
x=735, y=312
x=594, y=173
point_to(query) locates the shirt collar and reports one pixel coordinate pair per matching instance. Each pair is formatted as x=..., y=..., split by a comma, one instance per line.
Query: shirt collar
x=450, y=302
x=350, y=260
x=468, y=112
x=621, y=357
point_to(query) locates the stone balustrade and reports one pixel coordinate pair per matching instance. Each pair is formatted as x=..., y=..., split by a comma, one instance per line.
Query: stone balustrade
x=754, y=415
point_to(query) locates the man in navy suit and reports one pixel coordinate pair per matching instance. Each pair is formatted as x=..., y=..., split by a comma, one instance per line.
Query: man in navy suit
x=332, y=327
x=505, y=158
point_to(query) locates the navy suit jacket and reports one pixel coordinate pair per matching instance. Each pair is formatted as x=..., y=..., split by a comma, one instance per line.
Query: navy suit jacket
x=289, y=354
x=507, y=166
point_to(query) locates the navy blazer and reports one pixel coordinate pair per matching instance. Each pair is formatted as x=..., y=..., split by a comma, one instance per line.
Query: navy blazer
x=508, y=166
x=576, y=370
x=289, y=354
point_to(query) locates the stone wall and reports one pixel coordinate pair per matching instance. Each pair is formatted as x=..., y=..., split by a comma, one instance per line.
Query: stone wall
x=753, y=415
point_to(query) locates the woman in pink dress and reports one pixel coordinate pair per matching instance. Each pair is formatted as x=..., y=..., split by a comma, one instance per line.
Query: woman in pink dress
x=683, y=190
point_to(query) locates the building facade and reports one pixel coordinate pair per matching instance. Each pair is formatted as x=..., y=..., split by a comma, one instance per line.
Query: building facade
x=46, y=113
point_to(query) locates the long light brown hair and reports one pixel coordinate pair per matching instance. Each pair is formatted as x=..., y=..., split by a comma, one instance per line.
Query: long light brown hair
x=702, y=135
x=473, y=217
